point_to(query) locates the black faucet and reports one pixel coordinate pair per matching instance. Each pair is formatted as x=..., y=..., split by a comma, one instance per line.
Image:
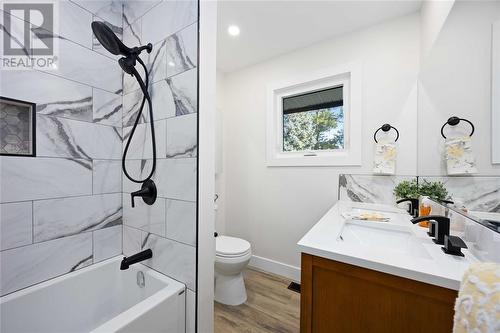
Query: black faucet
x=453, y=245
x=413, y=208
x=439, y=224
x=138, y=257
x=446, y=201
x=147, y=192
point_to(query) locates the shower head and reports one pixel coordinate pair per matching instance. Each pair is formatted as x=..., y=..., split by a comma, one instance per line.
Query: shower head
x=113, y=44
x=109, y=40
x=127, y=64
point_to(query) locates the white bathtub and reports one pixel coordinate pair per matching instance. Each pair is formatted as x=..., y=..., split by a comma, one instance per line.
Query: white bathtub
x=98, y=298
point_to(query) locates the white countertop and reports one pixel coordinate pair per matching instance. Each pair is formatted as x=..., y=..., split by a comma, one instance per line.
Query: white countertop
x=437, y=268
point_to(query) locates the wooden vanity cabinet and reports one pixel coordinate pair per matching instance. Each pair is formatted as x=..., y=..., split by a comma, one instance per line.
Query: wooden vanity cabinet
x=342, y=298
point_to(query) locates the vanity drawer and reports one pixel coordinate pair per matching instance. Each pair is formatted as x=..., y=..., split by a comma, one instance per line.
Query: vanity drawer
x=342, y=298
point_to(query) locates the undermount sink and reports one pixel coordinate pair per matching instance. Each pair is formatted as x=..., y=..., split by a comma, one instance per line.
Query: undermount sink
x=382, y=237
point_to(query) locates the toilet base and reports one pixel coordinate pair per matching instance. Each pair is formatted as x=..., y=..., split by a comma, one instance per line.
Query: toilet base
x=230, y=289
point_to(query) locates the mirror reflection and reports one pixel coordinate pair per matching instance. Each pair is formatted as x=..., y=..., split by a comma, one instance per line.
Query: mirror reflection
x=458, y=92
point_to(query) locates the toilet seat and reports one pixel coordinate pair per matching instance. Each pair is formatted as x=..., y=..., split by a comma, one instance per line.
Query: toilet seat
x=231, y=247
x=236, y=256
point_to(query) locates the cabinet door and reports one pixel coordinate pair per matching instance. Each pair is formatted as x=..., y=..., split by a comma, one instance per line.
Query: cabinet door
x=342, y=298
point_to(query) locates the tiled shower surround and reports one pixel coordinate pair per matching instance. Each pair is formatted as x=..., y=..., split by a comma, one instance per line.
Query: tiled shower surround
x=168, y=227
x=69, y=206
x=62, y=210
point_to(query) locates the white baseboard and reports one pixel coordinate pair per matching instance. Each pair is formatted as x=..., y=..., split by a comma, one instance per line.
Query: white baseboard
x=275, y=267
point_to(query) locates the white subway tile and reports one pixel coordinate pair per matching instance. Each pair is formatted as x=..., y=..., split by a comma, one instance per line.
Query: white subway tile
x=181, y=221
x=40, y=178
x=58, y=218
x=172, y=258
x=131, y=240
x=24, y=266
x=107, y=243
x=107, y=176
x=15, y=224
x=149, y=218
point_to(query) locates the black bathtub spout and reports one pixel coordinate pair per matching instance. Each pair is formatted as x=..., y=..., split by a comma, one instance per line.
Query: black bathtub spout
x=133, y=259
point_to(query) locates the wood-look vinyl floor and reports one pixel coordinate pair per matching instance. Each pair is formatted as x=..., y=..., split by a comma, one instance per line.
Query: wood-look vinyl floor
x=270, y=307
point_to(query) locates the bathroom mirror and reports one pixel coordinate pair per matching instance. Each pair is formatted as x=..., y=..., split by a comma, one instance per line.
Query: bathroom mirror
x=460, y=77
x=456, y=79
x=489, y=220
x=477, y=198
x=495, y=89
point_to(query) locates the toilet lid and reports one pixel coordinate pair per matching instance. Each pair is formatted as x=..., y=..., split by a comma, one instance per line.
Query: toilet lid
x=231, y=246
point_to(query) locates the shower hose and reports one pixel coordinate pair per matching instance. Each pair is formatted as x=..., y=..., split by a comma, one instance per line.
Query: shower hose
x=144, y=88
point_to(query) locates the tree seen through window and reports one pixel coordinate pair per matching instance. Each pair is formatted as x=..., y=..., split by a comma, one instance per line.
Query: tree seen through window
x=321, y=129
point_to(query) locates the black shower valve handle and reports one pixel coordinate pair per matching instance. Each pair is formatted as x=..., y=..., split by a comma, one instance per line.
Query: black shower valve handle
x=147, y=192
x=140, y=193
x=132, y=196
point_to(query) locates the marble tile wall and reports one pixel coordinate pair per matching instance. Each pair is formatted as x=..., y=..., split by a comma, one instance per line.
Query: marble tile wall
x=62, y=210
x=478, y=193
x=169, y=226
x=369, y=188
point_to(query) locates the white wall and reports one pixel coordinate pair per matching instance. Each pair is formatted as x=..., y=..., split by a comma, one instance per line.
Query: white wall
x=220, y=184
x=433, y=15
x=456, y=80
x=206, y=169
x=273, y=207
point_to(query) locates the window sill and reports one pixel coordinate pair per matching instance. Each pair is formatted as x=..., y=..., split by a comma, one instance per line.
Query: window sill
x=343, y=158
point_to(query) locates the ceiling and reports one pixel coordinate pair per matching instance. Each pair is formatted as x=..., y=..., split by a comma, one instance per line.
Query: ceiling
x=271, y=28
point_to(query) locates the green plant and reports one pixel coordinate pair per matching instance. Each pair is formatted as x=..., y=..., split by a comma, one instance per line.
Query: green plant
x=413, y=189
x=434, y=190
x=407, y=189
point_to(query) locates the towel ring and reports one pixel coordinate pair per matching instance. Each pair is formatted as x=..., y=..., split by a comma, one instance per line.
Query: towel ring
x=454, y=121
x=386, y=128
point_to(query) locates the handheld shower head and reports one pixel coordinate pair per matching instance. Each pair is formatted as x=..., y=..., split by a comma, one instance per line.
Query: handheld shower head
x=114, y=45
x=109, y=40
x=127, y=64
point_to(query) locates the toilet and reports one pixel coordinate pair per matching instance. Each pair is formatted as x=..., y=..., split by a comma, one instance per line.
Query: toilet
x=231, y=257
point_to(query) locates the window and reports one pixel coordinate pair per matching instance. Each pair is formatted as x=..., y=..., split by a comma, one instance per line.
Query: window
x=309, y=121
x=314, y=121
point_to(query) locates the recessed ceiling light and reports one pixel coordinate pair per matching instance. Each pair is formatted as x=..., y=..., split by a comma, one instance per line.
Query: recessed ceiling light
x=233, y=30
x=171, y=63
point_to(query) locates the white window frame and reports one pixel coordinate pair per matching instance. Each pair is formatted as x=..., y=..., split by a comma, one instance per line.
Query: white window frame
x=349, y=76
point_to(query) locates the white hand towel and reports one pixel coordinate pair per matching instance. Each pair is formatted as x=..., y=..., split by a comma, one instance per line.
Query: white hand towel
x=459, y=156
x=384, y=161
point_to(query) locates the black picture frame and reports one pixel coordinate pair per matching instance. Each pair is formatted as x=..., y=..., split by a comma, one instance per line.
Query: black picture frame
x=32, y=107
